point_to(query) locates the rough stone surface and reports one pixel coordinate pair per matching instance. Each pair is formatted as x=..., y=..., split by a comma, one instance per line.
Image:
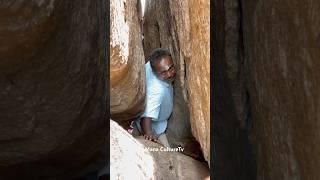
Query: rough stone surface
x=198, y=73
x=175, y=25
x=127, y=74
x=281, y=40
x=233, y=57
x=51, y=79
x=157, y=32
x=233, y=152
x=130, y=159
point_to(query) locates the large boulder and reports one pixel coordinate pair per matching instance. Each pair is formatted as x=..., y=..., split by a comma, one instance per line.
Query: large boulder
x=183, y=27
x=127, y=73
x=281, y=41
x=52, y=88
x=198, y=73
x=142, y=159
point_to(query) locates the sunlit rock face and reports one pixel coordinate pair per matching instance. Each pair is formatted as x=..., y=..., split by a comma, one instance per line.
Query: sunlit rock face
x=51, y=88
x=183, y=27
x=142, y=159
x=127, y=74
x=198, y=73
x=281, y=41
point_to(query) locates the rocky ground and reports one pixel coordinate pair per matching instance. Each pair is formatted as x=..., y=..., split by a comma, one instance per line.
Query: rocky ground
x=137, y=158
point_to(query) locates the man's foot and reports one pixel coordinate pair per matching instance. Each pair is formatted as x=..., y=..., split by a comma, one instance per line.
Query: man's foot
x=151, y=137
x=147, y=130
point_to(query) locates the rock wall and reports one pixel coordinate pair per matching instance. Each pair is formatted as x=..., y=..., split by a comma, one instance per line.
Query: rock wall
x=198, y=73
x=157, y=31
x=233, y=155
x=127, y=74
x=52, y=88
x=280, y=96
x=281, y=41
x=131, y=159
x=184, y=28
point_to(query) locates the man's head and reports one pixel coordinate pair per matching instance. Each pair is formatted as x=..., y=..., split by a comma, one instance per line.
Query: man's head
x=162, y=64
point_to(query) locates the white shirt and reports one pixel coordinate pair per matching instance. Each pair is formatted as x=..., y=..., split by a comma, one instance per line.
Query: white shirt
x=159, y=101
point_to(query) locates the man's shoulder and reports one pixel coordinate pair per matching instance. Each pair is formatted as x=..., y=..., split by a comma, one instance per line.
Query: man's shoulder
x=155, y=86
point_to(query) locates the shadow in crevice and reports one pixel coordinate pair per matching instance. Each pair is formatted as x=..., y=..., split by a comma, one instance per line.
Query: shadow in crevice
x=233, y=150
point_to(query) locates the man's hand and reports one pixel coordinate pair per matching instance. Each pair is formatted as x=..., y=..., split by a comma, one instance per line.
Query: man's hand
x=145, y=124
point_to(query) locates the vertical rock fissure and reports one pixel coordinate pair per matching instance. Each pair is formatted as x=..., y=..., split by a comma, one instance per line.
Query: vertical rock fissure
x=242, y=59
x=251, y=150
x=185, y=80
x=163, y=29
x=234, y=156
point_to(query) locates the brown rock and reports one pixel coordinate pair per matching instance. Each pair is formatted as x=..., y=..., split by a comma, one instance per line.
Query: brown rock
x=51, y=88
x=233, y=57
x=198, y=73
x=127, y=74
x=25, y=28
x=232, y=122
x=282, y=60
x=142, y=159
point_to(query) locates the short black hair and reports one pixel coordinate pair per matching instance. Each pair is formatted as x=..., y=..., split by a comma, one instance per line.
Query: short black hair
x=156, y=56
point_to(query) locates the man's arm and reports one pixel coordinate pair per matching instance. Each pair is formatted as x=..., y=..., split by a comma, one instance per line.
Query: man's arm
x=146, y=127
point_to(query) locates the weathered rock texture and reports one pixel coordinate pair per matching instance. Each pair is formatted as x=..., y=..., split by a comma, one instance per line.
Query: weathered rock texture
x=127, y=74
x=130, y=159
x=51, y=88
x=281, y=41
x=233, y=152
x=281, y=83
x=183, y=27
x=198, y=72
x=157, y=31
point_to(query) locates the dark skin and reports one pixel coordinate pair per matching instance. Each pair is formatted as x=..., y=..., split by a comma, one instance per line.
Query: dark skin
x=165, y=71
x=145, y=124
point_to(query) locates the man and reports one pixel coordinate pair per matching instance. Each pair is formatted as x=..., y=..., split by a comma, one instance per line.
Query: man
x=160, y=73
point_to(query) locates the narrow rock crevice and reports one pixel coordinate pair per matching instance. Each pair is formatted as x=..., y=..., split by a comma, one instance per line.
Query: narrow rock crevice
x=188, y=127
x=168, y=35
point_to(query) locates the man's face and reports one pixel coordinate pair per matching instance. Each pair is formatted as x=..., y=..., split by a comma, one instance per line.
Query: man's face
x=165, y=69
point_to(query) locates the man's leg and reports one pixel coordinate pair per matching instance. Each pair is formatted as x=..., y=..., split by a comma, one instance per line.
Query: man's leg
x=133, y=130
x=162, y=139
x=136, y=132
